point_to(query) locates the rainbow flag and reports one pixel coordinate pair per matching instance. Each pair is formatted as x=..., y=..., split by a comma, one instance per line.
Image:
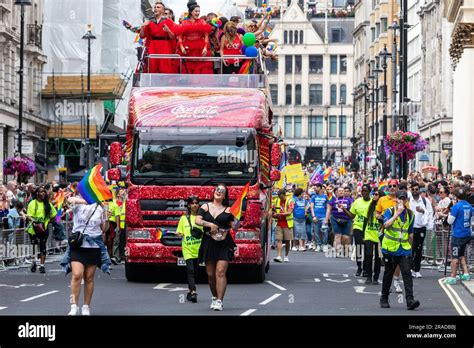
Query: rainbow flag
x=327, y=173
x=331, y=197
x=93, y=187
x=237, y=207
x=267, y=31
x=247, y=67
x=160, y=233
x=383, y=186
x=59, y=198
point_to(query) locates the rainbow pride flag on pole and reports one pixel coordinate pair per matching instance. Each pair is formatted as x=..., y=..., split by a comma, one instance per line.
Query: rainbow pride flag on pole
x=93, y=187
x=237, y=207
x=59, y=198
x=327, y=173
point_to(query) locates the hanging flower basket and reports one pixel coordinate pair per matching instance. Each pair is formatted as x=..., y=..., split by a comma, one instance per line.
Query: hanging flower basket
x=408, y=143
x=22, y=167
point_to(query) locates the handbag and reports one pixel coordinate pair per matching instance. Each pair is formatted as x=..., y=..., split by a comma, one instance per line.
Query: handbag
x=195, y=231
x=39, y=229
x=342, y=222
x=220, y=235
x=77, y=238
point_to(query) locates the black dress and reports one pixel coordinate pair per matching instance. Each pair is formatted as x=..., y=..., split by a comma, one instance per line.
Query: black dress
x=212, y=250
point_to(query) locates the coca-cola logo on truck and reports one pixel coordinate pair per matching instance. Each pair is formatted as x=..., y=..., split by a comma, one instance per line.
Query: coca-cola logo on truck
x=194, y=112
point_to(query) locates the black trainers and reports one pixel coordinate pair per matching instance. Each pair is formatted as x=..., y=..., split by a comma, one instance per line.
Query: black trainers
x=368, y=281
x=194, y=297
x=42, y=269
x=412, y=304
x=359, y=272
x=375, y=281
x=188, y=296
x=364, y=274
x=114, y=261
x=33, y=267
x=384, y=302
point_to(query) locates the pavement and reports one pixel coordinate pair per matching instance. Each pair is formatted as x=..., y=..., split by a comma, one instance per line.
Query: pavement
x=310, y=284
x=469, y=286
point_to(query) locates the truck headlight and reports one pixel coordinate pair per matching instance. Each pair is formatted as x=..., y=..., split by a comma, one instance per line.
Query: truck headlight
x=139, y=234
x=246, y=235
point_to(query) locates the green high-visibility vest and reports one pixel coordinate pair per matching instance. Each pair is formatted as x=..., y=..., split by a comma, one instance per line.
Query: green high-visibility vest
x=122, y=216
x=289, y=218
x=372, y=230
x=397, y=234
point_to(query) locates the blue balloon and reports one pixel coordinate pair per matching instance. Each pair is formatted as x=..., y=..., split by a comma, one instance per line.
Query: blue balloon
x=243, y=49
x=251, y=52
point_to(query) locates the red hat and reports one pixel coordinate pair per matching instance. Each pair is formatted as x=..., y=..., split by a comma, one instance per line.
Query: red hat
x=393, y=182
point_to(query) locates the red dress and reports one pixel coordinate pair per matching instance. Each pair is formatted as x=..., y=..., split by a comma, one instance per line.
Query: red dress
x=233, y=48
x=192, y=38
x=159, y=42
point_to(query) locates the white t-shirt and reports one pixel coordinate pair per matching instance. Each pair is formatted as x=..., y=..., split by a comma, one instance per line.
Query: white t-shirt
x=81, y=213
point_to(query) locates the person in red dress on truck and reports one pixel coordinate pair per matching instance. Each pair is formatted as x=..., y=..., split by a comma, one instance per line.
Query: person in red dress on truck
x=159, y=35
x=231, y=45
x=194, y=42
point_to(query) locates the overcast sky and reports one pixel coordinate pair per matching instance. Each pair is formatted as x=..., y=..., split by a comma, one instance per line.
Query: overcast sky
x=179, y=6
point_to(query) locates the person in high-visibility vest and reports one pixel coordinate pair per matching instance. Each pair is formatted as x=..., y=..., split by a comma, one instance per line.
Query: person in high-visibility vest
x=120, y=239
x=114, y=222
x=283, y=214
x=397, y=249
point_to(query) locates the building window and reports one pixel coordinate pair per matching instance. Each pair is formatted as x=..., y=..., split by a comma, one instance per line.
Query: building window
x=291, y=37
x=276, y=128
x=298, y=95
x=316, y=64
x=373, y=33
x=274, y=94
x=285, y=37
x=298, y=64
x=301, y=37
x=384, y=25
x=342, y=127
x=289, y=64
x=296, y=37
x=297, y=125
x=288, y=95
x=288, y=127
x=316, y=94
x=377, y=30
x=333, y=95
x=272, y=66
x=315, y=126
x=332, y=126
x=343, y=65
x=339, y=3
x=333, y=64
x=342, y=94
x=336, y=35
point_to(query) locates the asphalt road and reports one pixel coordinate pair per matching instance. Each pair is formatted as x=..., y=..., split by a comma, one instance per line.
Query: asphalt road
x=310, y=284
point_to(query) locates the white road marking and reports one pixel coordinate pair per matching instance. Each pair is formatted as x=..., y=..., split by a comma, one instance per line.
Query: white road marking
x=2, y=308
x=317, y=280
x=361, y=281
x=163, y=286
x=338, y=281
x=247, y=313
x=466, y=310
x=455, y=299
x=327, y=275
x=38, y=296
x=276, y=285
x=270, y=299
x=20, y=286
x=361, y=290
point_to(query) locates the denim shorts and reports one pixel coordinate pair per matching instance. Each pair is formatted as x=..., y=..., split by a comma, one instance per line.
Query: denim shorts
x=458, y=246
x=299, y=229
x=339, y=229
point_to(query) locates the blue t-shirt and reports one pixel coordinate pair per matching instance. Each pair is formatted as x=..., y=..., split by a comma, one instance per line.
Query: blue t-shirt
x=462, y=212
x=299, y=209
x=400, y=252
x=320, y=202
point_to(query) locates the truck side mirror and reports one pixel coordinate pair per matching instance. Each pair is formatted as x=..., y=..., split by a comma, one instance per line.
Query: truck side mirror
x=114, y=174
x=275, y=175
x=115, y=153
x=276, y=155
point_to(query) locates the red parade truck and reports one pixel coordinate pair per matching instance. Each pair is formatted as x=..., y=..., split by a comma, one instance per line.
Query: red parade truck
x=185, y=135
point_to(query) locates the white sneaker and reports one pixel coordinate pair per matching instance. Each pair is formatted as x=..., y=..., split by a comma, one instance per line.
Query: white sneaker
x=218, y=306
x=213, y=303
x=294, y=249
x=418, y=275
x=413, y=274
x=278, y=259
x=318, y=248
x=74, y=310
x=286, y=259
x=325, y=248
x=302, y=249
x=398, y=288
x=85, y=310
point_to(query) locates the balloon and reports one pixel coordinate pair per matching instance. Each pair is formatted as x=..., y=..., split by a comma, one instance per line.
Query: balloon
x=243, y=49
x=249, y=39
x=251, y=52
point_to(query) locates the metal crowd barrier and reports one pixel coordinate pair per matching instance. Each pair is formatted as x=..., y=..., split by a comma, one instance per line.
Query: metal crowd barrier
x=16, y=248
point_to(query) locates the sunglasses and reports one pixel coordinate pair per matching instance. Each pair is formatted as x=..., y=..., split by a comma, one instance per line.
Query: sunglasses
x=392, y=186
x=220, y=190
x=375, y=194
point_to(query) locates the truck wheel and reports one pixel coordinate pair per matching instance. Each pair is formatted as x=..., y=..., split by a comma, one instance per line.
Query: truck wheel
x=258, y=274
x=133, y=272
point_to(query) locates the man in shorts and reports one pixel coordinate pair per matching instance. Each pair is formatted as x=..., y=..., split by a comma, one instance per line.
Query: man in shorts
x=460, y=219
x=283, y=214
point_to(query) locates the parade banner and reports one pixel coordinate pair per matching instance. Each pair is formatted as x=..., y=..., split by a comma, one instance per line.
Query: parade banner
x=295, y=175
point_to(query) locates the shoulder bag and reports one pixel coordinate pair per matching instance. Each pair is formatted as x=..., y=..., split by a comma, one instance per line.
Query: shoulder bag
x=77, y=238
x=195, y=232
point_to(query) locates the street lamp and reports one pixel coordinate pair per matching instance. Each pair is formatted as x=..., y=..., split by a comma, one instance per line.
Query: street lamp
x=342, y=103
x=384, y=54
x=354, y=166
x=88, y=36
x=22, y=4
x=326, y=118
x=394, y=27
x=311, y=124
x=366, y=87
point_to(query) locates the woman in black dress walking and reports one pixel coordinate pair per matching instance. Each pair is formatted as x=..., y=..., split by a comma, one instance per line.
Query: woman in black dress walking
x=217, y=247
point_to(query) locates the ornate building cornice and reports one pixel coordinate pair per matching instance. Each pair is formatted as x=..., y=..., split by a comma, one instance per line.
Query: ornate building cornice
x=463, y=36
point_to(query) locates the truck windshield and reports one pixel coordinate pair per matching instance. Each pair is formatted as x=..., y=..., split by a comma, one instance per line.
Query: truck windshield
x=194, y=156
